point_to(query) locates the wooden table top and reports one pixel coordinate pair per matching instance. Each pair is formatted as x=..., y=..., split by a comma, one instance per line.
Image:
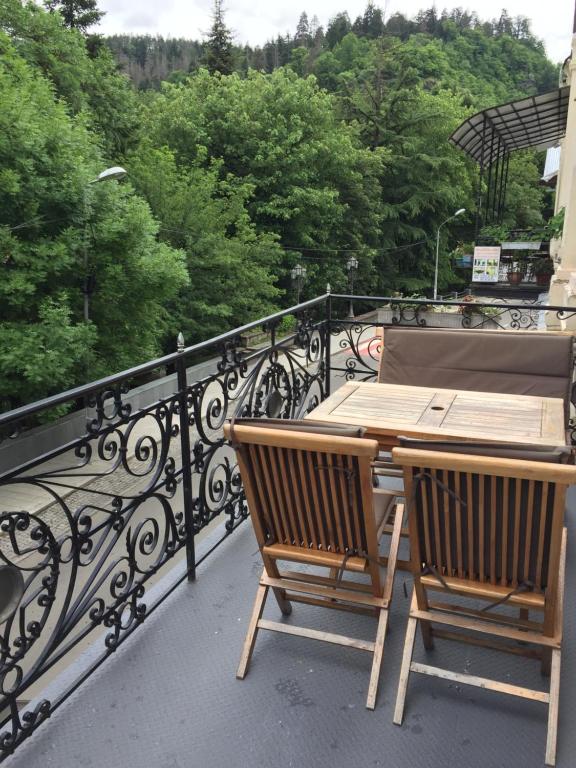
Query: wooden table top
x=389, y=410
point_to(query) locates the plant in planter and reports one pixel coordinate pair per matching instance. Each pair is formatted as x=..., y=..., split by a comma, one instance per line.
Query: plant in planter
x=517, y=269
x=542, y=269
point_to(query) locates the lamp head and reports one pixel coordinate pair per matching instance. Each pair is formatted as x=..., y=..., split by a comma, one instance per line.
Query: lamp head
x=459, y=211
x=116, y=172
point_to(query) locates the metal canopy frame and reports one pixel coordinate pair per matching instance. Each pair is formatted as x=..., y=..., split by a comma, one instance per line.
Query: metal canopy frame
x=488, y=137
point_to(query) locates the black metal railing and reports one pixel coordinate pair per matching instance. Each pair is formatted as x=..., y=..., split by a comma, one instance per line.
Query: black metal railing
x=93, y=519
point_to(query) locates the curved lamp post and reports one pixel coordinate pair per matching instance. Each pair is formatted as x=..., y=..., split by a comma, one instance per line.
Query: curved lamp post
x=351, y=268
x=115, y=172
x=458, y=213
x=298, y=275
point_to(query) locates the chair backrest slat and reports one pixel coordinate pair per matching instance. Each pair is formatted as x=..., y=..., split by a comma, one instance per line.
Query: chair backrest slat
x=541, y=536
x=482, y=530
x=470, y=528
x=492, y=550
x=529, y=531
x=471, y=517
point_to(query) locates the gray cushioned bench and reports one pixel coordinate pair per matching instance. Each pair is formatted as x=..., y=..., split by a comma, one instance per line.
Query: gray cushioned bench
x=511, y=362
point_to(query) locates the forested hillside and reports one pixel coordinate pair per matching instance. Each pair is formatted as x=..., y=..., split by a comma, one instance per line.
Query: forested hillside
x=241, y=163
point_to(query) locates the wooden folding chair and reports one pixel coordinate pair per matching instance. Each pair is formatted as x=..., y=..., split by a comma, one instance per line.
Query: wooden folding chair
x=312, y=501
x=490, y=531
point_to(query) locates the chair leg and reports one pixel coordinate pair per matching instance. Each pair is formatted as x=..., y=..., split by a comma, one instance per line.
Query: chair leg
x=405, y=671
x=426, y=629
x=377, y=660
x=546, y=662
x=248, y=647
x=553, y=709
x=284, y=604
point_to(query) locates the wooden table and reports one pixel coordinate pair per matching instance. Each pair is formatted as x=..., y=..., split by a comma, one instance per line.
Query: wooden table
x=389, y=410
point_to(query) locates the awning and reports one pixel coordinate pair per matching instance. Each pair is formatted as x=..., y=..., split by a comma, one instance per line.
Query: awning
x=536, y=122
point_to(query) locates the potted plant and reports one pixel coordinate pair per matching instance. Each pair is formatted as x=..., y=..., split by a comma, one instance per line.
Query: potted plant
x=517, y=270
x=542, y=269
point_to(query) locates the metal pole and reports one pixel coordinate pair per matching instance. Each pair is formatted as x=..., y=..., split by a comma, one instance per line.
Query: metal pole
x=351, y=267
x=503, y=203
x=85, y=260
x=327, y=345
x=436, y=266
x=494, y=189
x=489, y=182
x=478, y=225
x=186, y=463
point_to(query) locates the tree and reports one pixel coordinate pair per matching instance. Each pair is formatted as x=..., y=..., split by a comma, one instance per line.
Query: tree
x=371, y=23
x=337, y=28
x=48, y=217
x=219, y=55
x=89, y=84
x=76, y=14
x=312, y=182
x=303, y=36
x=231, y=265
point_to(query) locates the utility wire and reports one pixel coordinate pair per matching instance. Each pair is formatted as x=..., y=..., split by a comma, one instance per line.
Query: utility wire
x=318, y=250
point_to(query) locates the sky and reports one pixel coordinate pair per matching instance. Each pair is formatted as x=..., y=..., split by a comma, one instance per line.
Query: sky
x=256, y=21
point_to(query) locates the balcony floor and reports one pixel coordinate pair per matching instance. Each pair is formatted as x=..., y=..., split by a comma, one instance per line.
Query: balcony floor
x=169, y=698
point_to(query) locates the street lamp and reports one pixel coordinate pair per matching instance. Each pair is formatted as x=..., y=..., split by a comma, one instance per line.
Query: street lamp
x=352, y=268
x=458, y=213
x=298, y=275
x=116, y=172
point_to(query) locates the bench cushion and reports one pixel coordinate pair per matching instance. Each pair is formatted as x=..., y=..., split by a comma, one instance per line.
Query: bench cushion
x=509, y=362
x=547, y=453
x=304, y=425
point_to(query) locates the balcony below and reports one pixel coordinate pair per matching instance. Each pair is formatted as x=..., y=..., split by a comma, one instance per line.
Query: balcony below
x=168, y=698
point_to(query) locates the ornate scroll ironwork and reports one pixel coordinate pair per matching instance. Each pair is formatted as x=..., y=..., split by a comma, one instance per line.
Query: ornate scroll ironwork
x=90, y=523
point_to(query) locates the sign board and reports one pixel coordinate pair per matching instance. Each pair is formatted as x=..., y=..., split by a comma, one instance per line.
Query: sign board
x=486, y=264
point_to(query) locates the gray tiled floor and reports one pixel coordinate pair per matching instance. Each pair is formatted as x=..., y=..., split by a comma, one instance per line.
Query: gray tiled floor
x=169, y=697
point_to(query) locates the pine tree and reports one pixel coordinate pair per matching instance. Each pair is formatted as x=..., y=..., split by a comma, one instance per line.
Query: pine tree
x=77, y=14
x=372, y=21
x=338, y=27
x=303, y=36
x=219, y=55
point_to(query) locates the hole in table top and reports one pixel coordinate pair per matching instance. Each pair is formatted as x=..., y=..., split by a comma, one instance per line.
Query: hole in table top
x=438, y=408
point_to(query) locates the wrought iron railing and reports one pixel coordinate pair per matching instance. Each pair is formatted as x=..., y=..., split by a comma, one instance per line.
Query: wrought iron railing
x=94, y=520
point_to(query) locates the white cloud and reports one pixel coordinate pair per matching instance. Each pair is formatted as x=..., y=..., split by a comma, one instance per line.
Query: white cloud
x=255, y=21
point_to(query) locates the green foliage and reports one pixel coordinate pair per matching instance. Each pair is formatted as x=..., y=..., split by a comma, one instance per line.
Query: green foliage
x=76, y=14
x=555, y=225
x=312, y=182
x=231, y=265
x=542, y=266
x=309, y=149
x=88, y=84
x=47, y=158
x=41, y=357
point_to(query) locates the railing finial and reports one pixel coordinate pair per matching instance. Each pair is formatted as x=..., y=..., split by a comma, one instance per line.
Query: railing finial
x=328, y=288
x=180, y=345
